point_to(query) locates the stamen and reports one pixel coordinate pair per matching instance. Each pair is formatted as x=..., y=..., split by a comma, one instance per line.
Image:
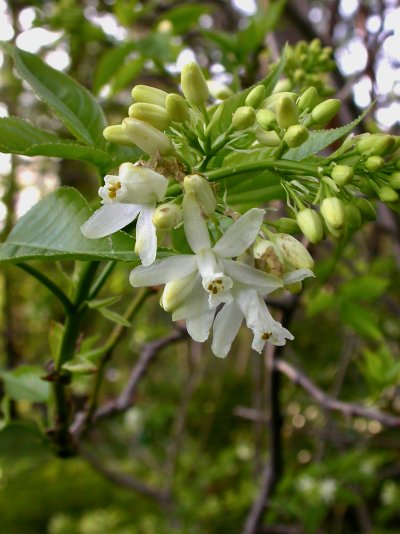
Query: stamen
x=266, y=336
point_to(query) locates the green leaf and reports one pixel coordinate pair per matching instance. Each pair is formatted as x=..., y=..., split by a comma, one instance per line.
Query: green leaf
x=363, y=321
x=126, y=74
x=21, y=441
x=80, y=366
x=320, y=139
x=101, y=303
x=114, y=317
x=69, y=101
x=366, y=287
x=109, y=64
x=51, y=230
x=25, y=383
x=320, y=302
x=184, y=16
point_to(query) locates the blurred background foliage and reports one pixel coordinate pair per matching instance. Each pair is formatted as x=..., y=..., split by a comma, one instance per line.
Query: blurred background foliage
x=198, y=427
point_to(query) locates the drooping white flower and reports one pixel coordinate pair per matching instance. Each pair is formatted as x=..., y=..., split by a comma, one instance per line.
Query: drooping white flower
x=196, y=284
x=133, y=193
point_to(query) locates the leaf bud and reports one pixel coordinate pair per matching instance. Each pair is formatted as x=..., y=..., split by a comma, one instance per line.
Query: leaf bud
x=394, y=180
x=286, y=112
x=255, y=97
x=325, y=111
x=310, y=224
x=353, y=216
x=295, y=135
x=149, y=95
x=118, y=134
x=203, y=192
x=332, y=211
x=194, y=85
x=387, y=194
x=266, y=119
x=146, y=137
x=177, y=108
x=167, y=216
x=282, y=86
x=367, y=210
x=268, y=258
x=342, y=175
x=270, y=138
x=293, y=252
x=287, y=226
x=150, y=113
x=375, y=144
x=307, y=100
x=374, y=163
x=243, y=117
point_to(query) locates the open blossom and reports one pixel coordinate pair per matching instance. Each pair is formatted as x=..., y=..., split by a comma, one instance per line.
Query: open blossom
x=133, y=193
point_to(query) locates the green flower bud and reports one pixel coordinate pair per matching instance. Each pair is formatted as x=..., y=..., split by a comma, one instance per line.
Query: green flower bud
x=118, y=134
x=342, y=175
x=177, y=108
x=271, y=102
x=266, y=118
x=194, y=85
x=150, y=113
x=203, y=192
x=146, y=137
x=286, y=112
x=270, y=138
x=367, y=210
x=387, y=194
x=255, y=97
x=310, y=224
x=353, y=216
x=335, y=232
x=167, y=216
x=332, y=211
x=299, y=75
x=307, y=100
x=315, y=46
x=282, y=86
x=325, y=111
x=219, y=90
x=295, y=135
x=287, y=226
x=243, y=118
x=268, y=258
x=149, y=95
x=394, y=180
x=293, y=252
x=374, y=163
x=375, y=144
x=175, y=293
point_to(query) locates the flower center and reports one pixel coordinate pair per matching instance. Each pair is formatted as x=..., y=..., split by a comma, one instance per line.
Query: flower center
x=266, y=335
x=219, y=284
x=113, y=188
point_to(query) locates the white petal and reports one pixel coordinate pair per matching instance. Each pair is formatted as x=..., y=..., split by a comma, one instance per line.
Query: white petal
x=195, y=226
x=163, y=271
x=296, y=276
x=194, y=305
x=226, y=326
x=199, y=327
x=146, y=237
x=244, y=274
x=240, y=235
x=109, y=218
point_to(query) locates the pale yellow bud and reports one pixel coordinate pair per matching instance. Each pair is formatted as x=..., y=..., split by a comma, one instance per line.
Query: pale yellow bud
x=149, y=95
x=167, y=216
x=151, y=113
x=255, y=97
x=295, y=135
x=286, y=112
x=194, y=85
x=146, y=137
x=118, y=134
x=332, y=210
x=270, y=138
x=342, y=175
x=311, y=225
x=203, y=192
x=243, y=117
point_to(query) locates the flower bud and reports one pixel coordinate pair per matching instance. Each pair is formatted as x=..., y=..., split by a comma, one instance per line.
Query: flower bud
x=149, y=95
x=203, y=192
x=177, y=108
x=325, y=111
x=311, y=225
x=194, y=85
x=394, y=180
x=335, y=232
x=271, y=101
x=332, y=211
x=293, y=252
x=270, y=138
x=375, y=144
x=175, y=293
x=287, y=226
x=268, y=258
x=219, y=90
x=353, y=216
x=118, y=134
x=167, y=216
x=307, y=100
x=367, y=210
x=295, y=135
x=282, y=85
x=286, y=112
x=387, y=194
x=342, y=175
x=266, y=119
x=146, y=137
x=315, y=46
x=243, y=118
x=150, y=113
x=255, y=97
x=374, y=163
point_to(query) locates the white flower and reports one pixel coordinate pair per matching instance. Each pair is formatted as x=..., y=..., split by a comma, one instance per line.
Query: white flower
x=134, y=192
x=196, y=284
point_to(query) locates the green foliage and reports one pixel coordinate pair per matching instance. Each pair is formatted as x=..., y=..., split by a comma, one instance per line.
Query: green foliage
x=25, y=383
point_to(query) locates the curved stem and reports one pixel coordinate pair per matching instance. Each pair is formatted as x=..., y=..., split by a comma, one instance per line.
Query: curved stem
x=281, y=165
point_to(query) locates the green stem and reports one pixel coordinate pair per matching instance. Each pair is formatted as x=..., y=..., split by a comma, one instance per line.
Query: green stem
x=98, y=284
x=283, y=166
x=51, y=286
